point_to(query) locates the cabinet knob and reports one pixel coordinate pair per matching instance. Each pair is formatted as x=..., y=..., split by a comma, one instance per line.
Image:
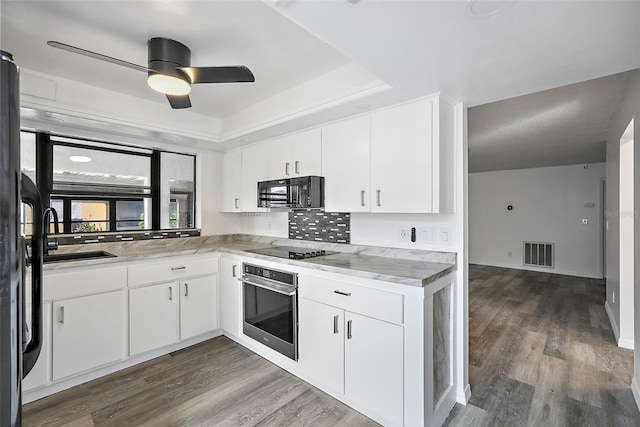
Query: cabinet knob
x=349, y=329
x=362, y=197
x=378, y=198
x=346, y=294
x=178, y=268
x=186, y=289
x=62, y=315
x=233, y=270
x=170, y=293
x=335, y=324
x=296, y=167
x=286, y=168
x=236, y=203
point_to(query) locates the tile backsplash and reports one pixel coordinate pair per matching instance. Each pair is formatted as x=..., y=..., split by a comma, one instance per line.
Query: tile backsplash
x=316, y=225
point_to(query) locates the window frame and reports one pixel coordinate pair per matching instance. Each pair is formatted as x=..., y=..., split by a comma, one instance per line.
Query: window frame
x=44, y=180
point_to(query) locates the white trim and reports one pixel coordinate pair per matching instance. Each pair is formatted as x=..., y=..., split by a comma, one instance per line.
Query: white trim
x=612, y=320
x=625, y=343
x=636, y=391
x=464, y=395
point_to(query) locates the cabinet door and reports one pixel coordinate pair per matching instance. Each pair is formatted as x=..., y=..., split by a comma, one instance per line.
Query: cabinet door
x=153, y=317
x=280, y=163
x=321, y=343
x=307, y=153
x=374, y=370
x=231, y=181
x=87, y=333
x=198, y=306
x=230, y=296
x=254, y=170
x=346, y=165
x=401, y=159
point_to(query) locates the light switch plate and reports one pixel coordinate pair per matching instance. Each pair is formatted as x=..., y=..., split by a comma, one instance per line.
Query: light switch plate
x=428, y=235
x=445, y=236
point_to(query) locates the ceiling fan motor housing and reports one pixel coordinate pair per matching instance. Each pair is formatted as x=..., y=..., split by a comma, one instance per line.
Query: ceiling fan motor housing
x=166, y=55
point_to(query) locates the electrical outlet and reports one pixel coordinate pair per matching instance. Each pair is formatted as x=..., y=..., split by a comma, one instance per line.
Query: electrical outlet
x=585, y=221
x=403, y=234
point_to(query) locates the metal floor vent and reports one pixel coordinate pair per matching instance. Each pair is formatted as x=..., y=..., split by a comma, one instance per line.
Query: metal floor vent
x=539, y=254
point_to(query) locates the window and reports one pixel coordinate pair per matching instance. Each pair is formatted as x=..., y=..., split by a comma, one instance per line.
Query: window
x=100, y=187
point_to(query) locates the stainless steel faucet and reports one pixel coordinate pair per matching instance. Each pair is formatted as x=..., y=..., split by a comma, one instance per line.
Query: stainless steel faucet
x=46, y=217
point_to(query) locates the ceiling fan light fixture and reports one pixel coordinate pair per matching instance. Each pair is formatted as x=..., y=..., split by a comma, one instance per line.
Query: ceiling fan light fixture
x=169, y=85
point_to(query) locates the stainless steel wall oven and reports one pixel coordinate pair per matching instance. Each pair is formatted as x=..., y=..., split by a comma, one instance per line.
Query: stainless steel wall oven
x=270, y=308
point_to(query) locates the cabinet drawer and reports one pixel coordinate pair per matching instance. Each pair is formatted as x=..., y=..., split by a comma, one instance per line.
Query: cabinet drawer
x=168, y=271
x=357, y=299
x=63, y=285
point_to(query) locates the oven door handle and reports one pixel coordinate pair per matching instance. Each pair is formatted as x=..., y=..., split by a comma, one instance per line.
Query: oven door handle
x=284, y=290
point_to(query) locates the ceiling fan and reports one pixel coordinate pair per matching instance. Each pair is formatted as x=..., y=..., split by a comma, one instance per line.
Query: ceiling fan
x=169, y=69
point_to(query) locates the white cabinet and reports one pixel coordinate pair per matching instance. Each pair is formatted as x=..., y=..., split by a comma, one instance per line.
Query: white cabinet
x=230, y=296
x=354, y=355
x=402, y=158
x=373, y=366
x=232, y=181
x=295, y=155
x=358, y=356
x=346, y=165
x=321, y=344
x=87, y=332
x=198, y=306
x=254, y=170
x=153, y=317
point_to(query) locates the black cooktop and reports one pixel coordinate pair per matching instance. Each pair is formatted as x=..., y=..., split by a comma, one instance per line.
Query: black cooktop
x=291, y=252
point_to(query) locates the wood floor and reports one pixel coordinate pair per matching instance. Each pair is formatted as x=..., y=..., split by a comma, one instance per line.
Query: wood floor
x=216, y=383
x=542, y=353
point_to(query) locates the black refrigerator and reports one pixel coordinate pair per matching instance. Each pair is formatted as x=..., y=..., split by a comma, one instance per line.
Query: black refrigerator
x=20, y=338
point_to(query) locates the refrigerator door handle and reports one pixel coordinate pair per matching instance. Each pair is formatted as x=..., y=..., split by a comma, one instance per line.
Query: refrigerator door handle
x=31, y=196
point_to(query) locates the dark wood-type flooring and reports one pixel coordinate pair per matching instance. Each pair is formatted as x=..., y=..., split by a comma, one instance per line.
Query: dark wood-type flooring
x=215, y=383
x=542, y=353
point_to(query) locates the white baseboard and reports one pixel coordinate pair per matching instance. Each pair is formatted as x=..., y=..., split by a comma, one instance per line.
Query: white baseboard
x=463, y=396
x=612, y=320
x=636, y=391
x=624, y=343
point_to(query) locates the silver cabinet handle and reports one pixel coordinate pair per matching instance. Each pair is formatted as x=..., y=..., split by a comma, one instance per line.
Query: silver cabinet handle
x=62, y=315
x=335, y=324
x=362, y=197
x=286, y=168
x=378, y=197
x=170, y=293
x=233, y=271
x=236, y=202
x=349, y=329
x=346, y=294
x=178, y=268
x=186, y=289
x=296, y=166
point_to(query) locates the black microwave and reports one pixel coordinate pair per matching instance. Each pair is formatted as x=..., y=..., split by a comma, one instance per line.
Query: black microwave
x=306, y=192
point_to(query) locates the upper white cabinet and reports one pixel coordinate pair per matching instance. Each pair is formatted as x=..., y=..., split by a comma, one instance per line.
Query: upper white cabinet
x=295, y=155
x=346, y=165
x=254, y=170
x=232, y=181
x=402, y=158
x=397, y=160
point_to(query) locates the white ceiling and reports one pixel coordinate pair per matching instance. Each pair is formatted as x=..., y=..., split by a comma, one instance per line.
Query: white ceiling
x=415, y=47
x=562, y=126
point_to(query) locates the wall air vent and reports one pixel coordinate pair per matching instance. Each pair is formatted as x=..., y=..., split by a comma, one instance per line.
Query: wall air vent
x=539, y=254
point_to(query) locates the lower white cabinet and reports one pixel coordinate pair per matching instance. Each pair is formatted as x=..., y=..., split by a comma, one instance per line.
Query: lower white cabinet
x=198, y=306
x=153, y=317
x=39, y=375
x=354, y=355
x=88, y=332
x=230, y=296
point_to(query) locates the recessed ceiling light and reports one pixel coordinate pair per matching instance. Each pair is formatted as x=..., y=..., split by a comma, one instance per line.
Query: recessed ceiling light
x=80, y=159
x=486, y=8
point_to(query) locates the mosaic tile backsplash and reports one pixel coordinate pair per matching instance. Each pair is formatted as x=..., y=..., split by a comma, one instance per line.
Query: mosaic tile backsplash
x=315, y=225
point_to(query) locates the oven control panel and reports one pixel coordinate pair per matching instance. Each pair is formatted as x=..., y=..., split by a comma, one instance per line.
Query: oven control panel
x=271, y=274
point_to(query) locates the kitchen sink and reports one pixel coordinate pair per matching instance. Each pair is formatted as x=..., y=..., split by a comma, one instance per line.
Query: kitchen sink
x=77, y=256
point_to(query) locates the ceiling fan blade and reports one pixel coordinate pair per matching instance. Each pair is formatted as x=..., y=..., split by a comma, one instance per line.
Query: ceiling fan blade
x=229, y=74
x=179, y=101
x=95, y=55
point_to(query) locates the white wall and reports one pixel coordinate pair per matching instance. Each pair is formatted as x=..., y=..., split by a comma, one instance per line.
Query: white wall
x=549, y=205
x=625, y=221
x=625, y=321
